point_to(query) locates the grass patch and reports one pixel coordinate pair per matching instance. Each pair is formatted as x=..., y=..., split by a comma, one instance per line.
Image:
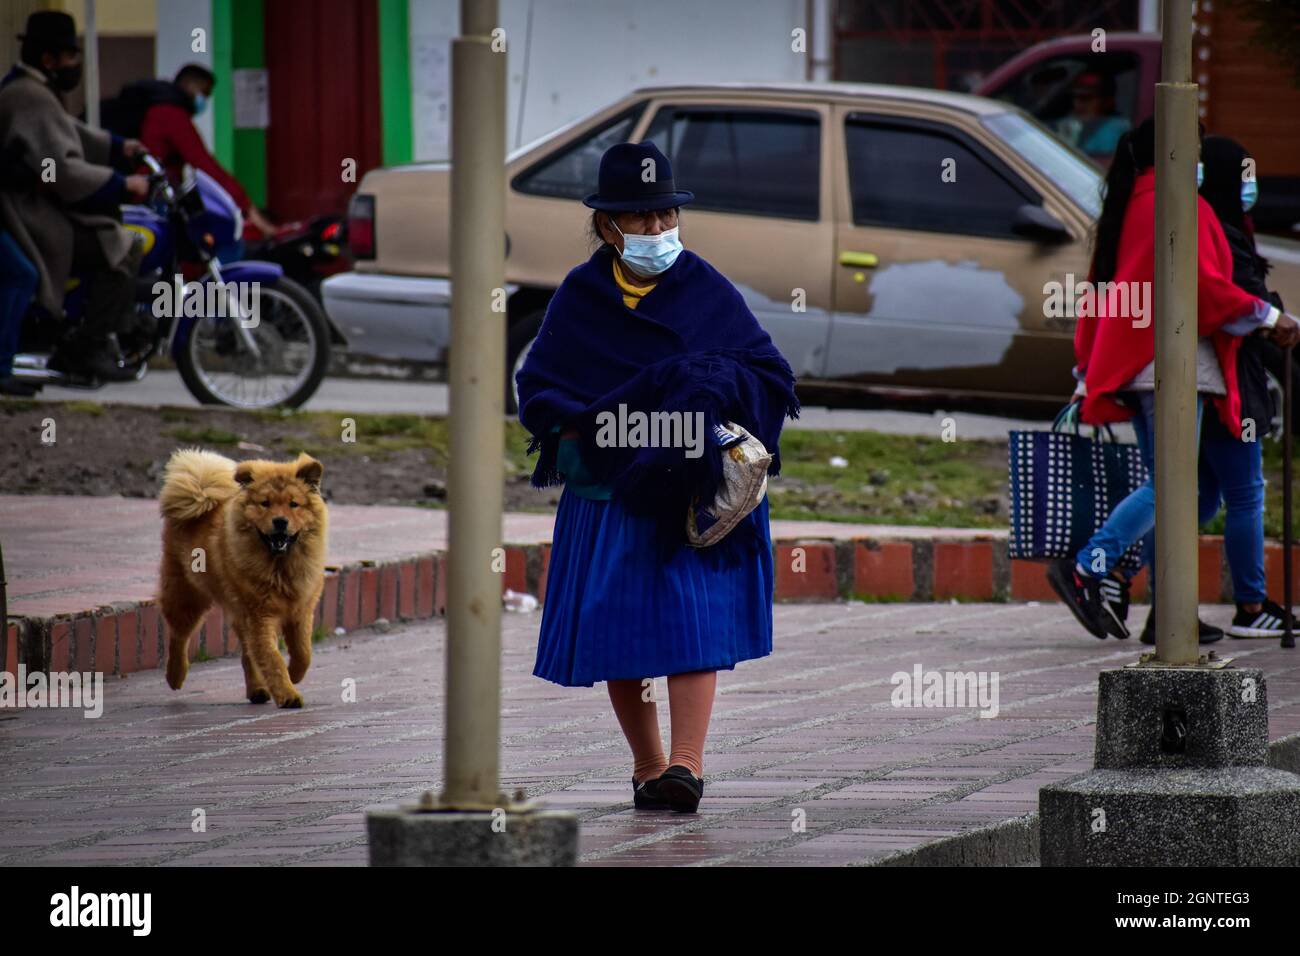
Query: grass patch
x=84, y=407
x=925, y=481
x=890, y=479
x=380, y=435
x=205, y=436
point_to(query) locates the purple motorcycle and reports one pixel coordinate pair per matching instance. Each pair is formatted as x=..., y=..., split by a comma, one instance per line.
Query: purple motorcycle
x=240, y=332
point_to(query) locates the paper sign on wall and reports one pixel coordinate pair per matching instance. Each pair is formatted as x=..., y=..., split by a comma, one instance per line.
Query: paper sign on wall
x=252, y=109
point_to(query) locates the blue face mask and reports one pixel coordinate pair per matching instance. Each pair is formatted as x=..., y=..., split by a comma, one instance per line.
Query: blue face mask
x=650, y=255
x=1200, y=174
x=1249, y=195
x=200, y=103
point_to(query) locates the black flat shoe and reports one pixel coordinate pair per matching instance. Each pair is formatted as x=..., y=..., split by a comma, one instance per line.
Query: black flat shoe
x=681, y=789
x=646, y=796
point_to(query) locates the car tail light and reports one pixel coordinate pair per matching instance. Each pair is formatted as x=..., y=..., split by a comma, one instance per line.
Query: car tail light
x=361, y=226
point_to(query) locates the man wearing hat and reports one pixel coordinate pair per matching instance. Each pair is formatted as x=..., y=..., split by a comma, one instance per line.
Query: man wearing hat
x=59, y=196
x=1093, y=125
x=648, y=329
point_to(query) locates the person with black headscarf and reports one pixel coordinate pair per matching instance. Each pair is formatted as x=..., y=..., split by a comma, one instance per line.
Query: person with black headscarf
x=1231, y=469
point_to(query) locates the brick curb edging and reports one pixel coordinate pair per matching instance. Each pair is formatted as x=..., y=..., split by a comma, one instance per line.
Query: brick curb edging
x=1014, y=842
x=128, y=636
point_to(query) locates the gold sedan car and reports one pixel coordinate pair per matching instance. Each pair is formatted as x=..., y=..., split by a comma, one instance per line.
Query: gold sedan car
x=894, y=242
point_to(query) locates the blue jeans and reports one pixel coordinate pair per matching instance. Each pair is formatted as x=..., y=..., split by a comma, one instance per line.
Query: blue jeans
x=1233, y=471
x=17, y=286
x=1135, y=516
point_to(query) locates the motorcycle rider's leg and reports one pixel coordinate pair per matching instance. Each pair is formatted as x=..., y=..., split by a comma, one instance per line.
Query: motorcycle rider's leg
x=18, y=280
x=91, y=348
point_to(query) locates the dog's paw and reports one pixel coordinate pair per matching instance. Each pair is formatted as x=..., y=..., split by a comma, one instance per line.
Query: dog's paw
x=298, y=670
x=259, y=697
x=291, y=701
x=176, y=676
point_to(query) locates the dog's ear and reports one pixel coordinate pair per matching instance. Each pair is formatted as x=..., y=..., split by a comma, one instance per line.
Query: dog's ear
x=244, y=473
x=309, y=471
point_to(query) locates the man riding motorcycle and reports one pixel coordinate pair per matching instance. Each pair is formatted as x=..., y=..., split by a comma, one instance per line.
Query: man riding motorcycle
x=161, y=113
x=59, y=197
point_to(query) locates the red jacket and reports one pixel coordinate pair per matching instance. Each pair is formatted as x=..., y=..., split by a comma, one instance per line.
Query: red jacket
x=1110, y=351
x=168, y=132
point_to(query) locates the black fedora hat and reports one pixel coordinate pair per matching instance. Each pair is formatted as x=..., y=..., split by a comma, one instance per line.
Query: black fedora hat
x=51, y=31
x=624, y=186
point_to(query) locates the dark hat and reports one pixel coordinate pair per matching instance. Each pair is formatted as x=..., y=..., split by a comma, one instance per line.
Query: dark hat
x=622, y=186
x=51, y=31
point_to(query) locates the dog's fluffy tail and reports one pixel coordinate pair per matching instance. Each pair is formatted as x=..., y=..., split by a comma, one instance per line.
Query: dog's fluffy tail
x=194, y=483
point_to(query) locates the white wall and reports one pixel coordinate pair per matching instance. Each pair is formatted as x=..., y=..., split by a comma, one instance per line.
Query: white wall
x=566, y=58
x=177, y=19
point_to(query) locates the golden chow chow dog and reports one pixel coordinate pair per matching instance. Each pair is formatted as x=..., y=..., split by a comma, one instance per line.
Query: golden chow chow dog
x=261, y=526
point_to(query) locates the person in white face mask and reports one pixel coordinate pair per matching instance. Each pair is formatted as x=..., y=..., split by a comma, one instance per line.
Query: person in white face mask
x=646, y=328
x=637, y=213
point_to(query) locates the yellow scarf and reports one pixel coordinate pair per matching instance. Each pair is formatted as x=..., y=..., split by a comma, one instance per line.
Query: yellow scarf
x=632, y=293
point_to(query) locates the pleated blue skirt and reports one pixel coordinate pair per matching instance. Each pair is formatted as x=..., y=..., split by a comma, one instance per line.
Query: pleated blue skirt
x=616, y=610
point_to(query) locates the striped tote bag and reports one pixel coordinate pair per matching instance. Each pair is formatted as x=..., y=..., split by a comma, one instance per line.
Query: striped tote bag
x=1063, y=485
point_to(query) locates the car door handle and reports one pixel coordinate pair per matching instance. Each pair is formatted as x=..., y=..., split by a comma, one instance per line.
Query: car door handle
x=863, y=260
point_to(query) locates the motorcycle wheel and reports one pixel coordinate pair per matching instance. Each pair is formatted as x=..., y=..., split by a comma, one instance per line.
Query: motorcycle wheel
x=297, y=314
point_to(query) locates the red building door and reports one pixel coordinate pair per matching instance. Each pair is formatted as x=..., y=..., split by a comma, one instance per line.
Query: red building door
x=322, y=61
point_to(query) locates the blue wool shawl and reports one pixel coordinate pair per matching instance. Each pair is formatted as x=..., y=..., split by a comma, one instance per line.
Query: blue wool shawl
x=690, y=345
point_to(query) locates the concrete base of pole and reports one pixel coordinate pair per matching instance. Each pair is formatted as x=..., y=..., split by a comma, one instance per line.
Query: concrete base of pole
x=409, y=837
x=1237, y=816
x=1180, y=779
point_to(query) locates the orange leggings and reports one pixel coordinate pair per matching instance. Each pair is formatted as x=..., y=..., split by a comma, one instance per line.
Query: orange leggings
x=690, y=703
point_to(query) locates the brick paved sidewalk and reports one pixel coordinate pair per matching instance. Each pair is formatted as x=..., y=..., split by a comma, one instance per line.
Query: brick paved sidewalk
x=810, y=728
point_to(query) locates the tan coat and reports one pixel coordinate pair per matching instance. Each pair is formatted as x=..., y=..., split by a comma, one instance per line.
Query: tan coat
x=34, y=127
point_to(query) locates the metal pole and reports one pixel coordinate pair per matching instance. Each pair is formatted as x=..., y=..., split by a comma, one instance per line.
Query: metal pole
x=1177, y=150
x=475, y=473
x=91, y=71
x=1288, y=638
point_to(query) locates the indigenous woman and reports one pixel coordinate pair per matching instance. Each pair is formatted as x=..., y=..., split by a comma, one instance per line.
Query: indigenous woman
x=646, y=328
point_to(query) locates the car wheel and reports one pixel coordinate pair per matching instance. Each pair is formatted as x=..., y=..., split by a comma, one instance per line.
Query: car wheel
x=518, y=341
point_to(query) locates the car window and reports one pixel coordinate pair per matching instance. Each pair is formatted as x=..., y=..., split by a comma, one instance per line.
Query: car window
x=571, y=173
x=750, y=161
x=1087, y=99
x=1076, y=177
x=900, y=175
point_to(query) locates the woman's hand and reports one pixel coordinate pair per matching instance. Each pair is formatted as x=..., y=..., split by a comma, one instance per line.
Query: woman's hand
x=1287, y=331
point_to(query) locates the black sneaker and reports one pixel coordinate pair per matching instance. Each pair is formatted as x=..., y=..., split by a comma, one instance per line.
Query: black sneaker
x=1081, y=593
x=1114, y=602
x=1268, y=621
x=1208, y=633
x=681, y=789
x=646, y=796
x=95, y=361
